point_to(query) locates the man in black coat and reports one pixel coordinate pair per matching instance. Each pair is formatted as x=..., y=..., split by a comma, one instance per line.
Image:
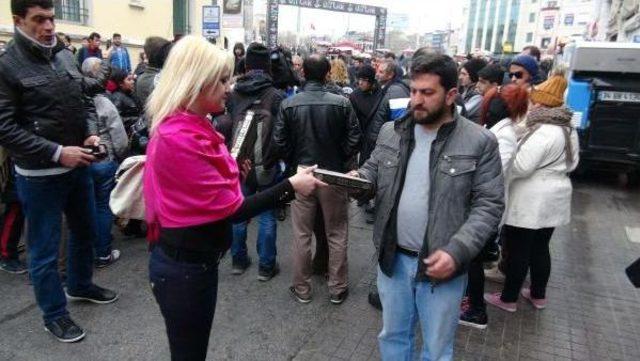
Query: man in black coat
x=317, y=127
x=47, y=118
x=365, y=99
x=255, y=91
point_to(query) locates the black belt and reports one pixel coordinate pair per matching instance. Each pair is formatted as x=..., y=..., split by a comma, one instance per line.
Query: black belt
x=188, y=256
x=408, y=252
x=205, y=243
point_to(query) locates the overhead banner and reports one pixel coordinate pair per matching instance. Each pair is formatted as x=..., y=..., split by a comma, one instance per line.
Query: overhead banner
x=379, y=12
x=333, y=6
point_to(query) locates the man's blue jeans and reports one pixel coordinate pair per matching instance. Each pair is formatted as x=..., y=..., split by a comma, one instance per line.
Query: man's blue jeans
x=266, y=243
x=44, y=199
x=405, y=301
x=103, y=176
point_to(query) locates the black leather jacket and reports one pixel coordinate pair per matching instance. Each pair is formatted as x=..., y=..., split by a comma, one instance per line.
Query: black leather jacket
x=127, y=107
x=317, y=127
x=44, y=102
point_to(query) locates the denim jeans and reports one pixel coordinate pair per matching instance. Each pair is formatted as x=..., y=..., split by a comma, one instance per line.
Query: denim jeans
x=103, y=175
x=405, y=301
x=44, y=200
x=266, y=243
x=186, y=294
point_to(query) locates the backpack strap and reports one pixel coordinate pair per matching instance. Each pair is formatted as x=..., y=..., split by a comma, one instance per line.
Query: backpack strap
x=567, y=137
x=521, y=143
x=240, y=134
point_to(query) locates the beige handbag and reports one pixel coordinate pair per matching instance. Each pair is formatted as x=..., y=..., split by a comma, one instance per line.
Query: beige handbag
x=127, y=200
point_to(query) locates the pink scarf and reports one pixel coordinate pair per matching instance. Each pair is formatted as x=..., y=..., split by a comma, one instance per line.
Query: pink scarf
x=190, y=178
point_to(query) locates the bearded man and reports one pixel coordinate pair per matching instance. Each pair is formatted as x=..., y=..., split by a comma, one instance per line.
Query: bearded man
x=439, y=193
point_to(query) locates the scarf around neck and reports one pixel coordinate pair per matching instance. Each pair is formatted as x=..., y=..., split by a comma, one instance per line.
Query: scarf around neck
x=559, y=116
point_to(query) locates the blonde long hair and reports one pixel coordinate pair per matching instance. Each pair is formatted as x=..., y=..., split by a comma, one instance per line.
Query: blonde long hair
x=193, y=65
x=339, y=74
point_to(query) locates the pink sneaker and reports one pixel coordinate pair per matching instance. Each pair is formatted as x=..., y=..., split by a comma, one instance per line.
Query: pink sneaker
x=494, y=299
x=538, y=303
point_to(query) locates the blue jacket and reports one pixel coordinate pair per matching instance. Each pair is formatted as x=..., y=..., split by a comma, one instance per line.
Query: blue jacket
x=119, y=58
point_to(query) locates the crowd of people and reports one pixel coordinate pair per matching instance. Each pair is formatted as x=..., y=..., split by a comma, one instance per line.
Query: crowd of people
x=468, y=165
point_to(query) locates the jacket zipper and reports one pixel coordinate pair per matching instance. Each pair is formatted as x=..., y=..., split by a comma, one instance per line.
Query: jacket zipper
x=432, y=177
x=449, y=158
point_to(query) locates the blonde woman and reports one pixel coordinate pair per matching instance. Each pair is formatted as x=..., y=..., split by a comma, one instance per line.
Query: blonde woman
x=339, y=73
x=192, y=192
x=339, y=78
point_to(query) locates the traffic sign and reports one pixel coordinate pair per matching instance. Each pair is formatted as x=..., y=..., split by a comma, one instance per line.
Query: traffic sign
x=211, y=21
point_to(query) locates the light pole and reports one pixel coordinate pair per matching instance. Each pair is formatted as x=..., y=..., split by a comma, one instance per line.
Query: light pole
x=298, y=27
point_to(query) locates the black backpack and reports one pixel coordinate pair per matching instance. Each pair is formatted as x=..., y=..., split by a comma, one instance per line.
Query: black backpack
x=250, y=130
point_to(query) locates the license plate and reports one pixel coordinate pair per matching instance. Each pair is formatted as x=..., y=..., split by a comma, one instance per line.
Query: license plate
x=625, y=97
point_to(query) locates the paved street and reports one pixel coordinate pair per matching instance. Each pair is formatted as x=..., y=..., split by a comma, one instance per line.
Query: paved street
x=593, y=313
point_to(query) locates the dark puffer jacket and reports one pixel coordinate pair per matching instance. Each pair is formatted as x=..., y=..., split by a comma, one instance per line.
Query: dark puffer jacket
x=127, y=107
x=364, y=104
x=395, y=89
x=252, y=87
x=145, y=84
x=44, y=102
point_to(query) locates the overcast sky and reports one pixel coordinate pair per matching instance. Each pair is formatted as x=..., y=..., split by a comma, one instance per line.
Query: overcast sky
x=424, y=16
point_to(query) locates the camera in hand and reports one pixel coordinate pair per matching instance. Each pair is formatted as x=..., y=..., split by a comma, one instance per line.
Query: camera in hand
x=99, y=151
x=342, y=180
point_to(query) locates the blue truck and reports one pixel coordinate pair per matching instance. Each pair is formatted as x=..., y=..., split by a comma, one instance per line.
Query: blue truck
x=604, y=93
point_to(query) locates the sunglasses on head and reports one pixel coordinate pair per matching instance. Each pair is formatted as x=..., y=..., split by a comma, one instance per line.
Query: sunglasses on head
x=517, y=75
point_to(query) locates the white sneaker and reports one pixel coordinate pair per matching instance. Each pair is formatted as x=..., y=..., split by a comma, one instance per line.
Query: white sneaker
x=494, y=275
x=102, y=262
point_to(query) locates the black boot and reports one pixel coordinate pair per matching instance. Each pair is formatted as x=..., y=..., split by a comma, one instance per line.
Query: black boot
x=374, y=300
